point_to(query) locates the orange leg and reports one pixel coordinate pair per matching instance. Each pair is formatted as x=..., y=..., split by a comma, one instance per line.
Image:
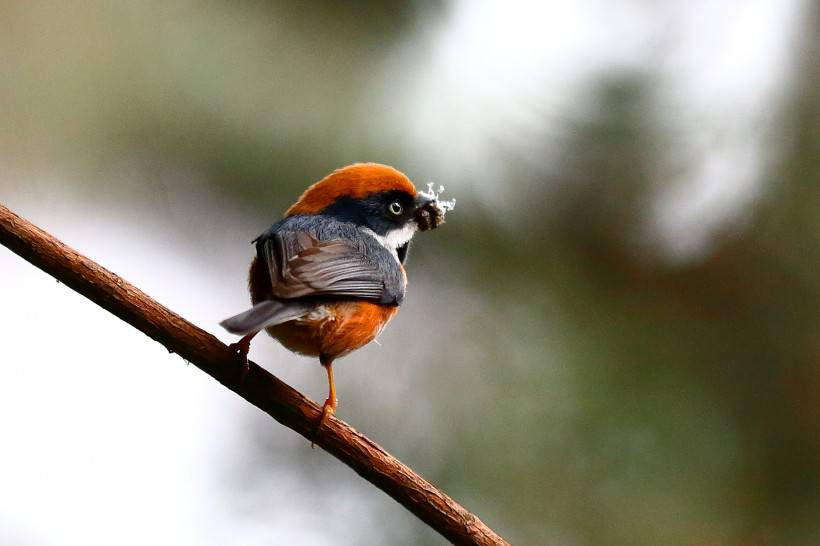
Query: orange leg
x=241, y=349
x=329, y=407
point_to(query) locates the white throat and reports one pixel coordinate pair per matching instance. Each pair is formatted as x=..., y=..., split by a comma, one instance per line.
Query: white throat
x=395, y=238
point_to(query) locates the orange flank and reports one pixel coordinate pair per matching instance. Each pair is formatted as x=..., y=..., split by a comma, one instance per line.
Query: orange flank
x=354, y=181
x=334, y=329
x=259, y=281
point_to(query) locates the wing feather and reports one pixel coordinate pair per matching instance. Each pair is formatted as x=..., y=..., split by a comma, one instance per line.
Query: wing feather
x=301, y=265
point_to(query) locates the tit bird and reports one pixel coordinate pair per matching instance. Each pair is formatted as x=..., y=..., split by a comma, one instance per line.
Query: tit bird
x=329, y=276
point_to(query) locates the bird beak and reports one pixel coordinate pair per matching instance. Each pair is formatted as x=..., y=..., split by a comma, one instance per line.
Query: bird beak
x=428, y=214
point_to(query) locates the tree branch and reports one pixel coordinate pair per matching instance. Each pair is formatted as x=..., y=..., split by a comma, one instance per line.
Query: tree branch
x=260, y=387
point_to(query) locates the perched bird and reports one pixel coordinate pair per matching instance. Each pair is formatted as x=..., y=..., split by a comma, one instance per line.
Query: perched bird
x=329, y=276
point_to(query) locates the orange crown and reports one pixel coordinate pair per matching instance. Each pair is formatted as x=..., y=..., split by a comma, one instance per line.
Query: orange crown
x=357, y=180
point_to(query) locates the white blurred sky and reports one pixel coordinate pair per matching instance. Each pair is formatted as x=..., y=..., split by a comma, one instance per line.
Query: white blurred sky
x=107, y=438
x=500, y=76
x=104, y=432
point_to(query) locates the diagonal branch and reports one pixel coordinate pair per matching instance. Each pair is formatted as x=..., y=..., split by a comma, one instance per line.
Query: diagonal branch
x=260, y=388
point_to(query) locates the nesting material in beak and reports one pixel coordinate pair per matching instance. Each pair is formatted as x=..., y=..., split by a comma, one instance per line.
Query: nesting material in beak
x=430, y=210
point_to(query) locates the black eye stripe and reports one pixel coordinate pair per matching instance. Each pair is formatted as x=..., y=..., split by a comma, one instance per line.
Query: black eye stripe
x=373, y=211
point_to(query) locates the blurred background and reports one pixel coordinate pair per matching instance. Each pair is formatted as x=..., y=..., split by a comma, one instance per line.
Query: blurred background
x=614, y=340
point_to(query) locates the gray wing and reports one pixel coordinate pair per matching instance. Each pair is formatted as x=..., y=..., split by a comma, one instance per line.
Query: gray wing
x=301, y=265
x=263, y=314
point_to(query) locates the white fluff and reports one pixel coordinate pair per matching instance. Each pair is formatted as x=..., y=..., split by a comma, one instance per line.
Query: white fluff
x=443, y=206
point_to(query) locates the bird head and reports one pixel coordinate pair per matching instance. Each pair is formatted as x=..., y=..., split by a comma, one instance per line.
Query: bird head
x=377, y=198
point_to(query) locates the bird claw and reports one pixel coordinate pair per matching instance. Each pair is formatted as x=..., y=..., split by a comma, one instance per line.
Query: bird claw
x=241, y=349
x=328, y=409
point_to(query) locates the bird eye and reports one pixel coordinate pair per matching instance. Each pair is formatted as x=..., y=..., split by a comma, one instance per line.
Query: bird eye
x=395, y=208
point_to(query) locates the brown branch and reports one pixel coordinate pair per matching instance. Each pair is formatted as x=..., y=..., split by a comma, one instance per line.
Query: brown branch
x=260, y=388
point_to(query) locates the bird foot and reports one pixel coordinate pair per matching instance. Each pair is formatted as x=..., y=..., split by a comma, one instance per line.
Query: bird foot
x=241, y=349
x=328, y=409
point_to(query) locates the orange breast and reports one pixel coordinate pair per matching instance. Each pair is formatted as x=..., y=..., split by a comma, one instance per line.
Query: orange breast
x=334, y=329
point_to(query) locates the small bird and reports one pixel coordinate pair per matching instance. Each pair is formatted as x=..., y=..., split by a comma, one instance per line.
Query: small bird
x=329, y=276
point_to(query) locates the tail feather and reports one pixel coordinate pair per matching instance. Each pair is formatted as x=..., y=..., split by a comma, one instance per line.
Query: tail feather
x=264, y=314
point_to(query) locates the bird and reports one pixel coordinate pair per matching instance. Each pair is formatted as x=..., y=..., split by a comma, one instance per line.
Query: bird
x=328, y=277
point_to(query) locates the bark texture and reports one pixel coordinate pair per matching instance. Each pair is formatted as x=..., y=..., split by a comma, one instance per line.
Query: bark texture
x=260, y=387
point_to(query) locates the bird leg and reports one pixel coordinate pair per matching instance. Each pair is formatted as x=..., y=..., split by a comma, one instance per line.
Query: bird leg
x=241, y=348
x=329, y=407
